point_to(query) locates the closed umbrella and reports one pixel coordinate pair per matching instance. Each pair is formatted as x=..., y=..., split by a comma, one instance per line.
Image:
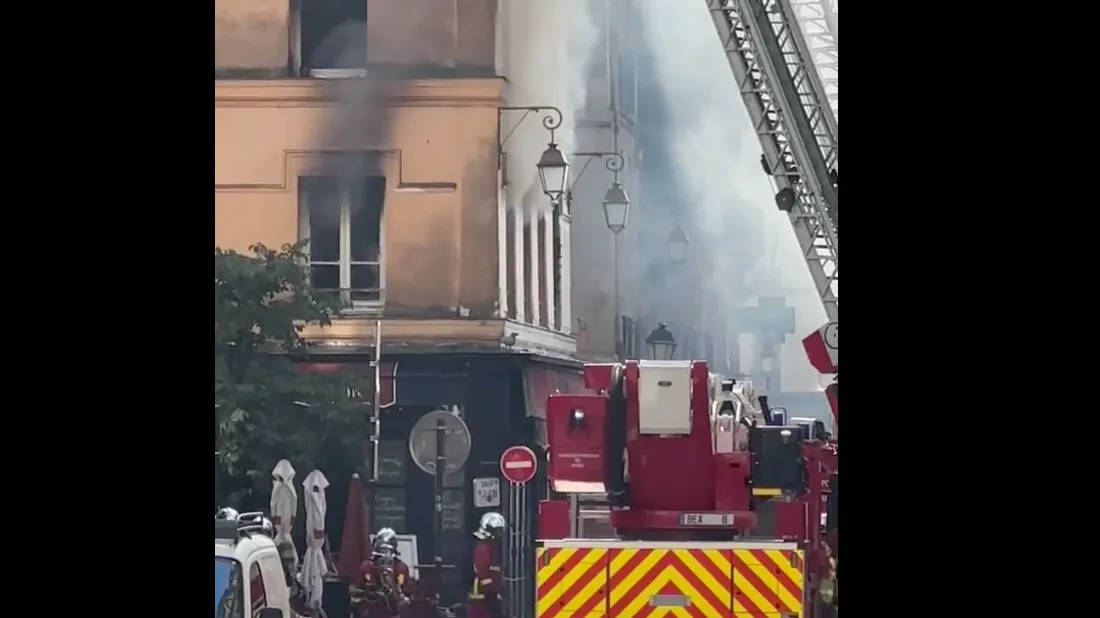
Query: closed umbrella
x=284, y=503
x=314, y=567
x=355, y=541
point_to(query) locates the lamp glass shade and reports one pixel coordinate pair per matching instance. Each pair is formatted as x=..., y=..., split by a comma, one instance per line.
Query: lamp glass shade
x=661, y=344
x=678, y=244
x=662, y=351
x=553, y=172
x=616, y=208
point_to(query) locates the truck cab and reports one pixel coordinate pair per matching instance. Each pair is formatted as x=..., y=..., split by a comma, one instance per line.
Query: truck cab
x=249, y=581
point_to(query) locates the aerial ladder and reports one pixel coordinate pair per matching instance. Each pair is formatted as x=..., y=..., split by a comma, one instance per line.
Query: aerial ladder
x=797, y=127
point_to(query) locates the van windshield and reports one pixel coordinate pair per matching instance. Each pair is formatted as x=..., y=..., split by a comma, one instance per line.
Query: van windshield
x=228, y=590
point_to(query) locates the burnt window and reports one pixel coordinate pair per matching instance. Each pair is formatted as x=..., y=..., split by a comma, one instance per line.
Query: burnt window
x=342, y=218
x=330, y=37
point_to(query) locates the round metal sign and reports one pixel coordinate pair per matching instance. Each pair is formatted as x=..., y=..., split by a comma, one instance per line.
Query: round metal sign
x=456, y=441
x=518, y=464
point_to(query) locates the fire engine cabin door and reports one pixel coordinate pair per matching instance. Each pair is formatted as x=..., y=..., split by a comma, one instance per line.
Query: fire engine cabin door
x=767, y=580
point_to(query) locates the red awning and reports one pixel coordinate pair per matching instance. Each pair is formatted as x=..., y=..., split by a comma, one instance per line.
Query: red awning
x=388, y=373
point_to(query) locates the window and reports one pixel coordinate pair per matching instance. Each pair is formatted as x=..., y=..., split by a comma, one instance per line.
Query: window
x=228, y=591
x=256, y=586
x=329, y=34
x=342, y=218
x=628, y=85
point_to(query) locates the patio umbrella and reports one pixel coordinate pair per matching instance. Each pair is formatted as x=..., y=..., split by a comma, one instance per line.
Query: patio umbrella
x=284, y=503
x=355, y=543
x=313, y=566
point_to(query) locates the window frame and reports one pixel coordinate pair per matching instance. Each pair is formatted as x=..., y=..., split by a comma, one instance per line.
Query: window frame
x=298, y=65
x=256, y=604
x=345, y=263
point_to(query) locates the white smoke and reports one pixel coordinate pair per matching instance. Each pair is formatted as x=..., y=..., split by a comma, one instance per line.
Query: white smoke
x=718, y=157
x=548, y=49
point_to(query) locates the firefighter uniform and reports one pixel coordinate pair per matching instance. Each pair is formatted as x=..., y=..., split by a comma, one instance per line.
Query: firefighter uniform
x=374, y=597
x=371, y=598
x=485, y=592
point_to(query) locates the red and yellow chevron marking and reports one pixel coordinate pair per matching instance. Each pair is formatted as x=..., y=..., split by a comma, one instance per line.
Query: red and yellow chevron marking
x=678, y=583
x=766, y=582
x=571, y=582
x=684, y=583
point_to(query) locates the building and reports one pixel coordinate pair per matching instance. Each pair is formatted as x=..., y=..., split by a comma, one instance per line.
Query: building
x=377, y=137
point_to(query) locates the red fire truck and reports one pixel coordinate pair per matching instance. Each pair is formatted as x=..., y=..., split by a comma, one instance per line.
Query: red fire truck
x=705, y=526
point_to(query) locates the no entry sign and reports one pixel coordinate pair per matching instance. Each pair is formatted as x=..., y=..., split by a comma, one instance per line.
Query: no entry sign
x=518, y=464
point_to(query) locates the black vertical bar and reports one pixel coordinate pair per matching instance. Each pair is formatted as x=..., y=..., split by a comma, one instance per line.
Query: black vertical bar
x=440, y=470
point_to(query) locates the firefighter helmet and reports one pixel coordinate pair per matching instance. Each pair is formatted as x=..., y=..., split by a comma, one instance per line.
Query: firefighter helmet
x=491, y=526
x=385, y=542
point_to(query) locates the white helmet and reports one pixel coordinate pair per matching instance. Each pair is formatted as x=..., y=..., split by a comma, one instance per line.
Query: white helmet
x=385, y=542
x=491, y=526
x=228, y=513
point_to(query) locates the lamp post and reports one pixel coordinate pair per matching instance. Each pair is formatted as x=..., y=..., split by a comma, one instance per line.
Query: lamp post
x=616, y=213
x=678, y=243
x=661, y=343
x=552, y=166
x=553, y=171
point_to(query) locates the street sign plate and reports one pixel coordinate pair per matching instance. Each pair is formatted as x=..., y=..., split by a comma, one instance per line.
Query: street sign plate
x=706, y=519
x=486, y=493
x=518, y=464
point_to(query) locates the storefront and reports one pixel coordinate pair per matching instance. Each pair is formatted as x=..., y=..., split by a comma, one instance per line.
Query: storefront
x=502, y=400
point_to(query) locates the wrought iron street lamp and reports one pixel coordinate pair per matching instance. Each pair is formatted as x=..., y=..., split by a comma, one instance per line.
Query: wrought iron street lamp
x=661, y=343
x=616, y=208
x=553, y=170
x=678, y=243
x=616, y=213
x=553, y=167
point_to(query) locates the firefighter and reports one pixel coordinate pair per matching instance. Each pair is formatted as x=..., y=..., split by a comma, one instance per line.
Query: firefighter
x=484, y=598
x=385, y=583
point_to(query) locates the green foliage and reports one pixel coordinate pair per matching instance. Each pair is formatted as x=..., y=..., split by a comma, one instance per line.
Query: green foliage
x=265, y=407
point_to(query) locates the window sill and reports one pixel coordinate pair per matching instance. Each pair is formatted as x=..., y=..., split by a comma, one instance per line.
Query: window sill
x=364, y=310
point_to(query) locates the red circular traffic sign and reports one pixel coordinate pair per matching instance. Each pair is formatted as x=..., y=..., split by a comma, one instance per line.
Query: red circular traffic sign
x=518, y=464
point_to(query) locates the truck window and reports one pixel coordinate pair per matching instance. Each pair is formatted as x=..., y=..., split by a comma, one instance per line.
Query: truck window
x=256, y=585
x=228, y=588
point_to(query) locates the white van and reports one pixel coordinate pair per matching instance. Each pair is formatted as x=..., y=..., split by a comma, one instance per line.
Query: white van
x=248, y=576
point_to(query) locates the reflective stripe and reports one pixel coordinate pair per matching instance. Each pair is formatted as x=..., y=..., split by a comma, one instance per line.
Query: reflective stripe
x=494, y=568
x=485, y=582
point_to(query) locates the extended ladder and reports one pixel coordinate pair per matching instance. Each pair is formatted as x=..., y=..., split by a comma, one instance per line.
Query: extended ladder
x=819, y=22
x=786, y=101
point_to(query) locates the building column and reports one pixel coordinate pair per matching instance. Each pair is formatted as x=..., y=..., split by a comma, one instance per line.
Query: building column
x=535, y=258
x=548, y=250
x=502, y=248
x=564, y=221
x=519, y=251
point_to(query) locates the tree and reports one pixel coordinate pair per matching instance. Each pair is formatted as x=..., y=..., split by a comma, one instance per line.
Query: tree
x=265, y=407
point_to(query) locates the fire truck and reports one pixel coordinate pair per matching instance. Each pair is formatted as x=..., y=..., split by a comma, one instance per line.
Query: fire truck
x=706, y=525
